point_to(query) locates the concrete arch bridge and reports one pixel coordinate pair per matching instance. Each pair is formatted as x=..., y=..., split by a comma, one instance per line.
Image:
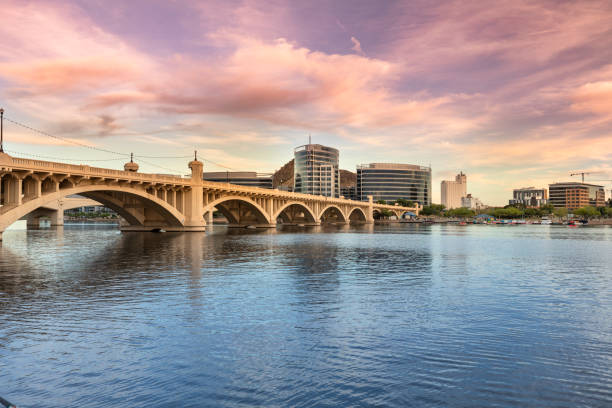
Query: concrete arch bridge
x=147, y=202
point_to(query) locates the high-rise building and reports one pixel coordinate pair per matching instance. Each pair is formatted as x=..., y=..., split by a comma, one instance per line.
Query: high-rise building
x=316, y=170
x=393, y=181
x=241, y=178
x=453, y=191
x=572, y=195
x=529, y=196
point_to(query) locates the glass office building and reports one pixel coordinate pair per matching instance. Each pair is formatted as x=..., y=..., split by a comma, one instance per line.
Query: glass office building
x=316, y=170
x=392, y=181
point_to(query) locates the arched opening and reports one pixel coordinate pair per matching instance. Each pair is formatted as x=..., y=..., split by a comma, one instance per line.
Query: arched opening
x=133, y=206
x=239, y=212
x=29, y=188
x=332, y=215
x=295, y=214
x=357, y=216
x=66, y=184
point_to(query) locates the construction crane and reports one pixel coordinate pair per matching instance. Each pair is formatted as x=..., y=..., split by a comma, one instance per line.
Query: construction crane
x=582, y=173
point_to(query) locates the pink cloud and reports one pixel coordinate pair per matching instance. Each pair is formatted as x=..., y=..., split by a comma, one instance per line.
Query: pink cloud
x=61, y=76
x=595, y=97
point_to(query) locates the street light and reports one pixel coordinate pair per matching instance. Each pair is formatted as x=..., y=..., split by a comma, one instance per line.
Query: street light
x=1, y=130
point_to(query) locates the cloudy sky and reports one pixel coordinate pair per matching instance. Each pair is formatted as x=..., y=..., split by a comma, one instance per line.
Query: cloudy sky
x=512, y=93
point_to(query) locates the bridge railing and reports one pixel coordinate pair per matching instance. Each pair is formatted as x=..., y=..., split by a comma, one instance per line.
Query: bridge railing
x=42, y=165
x=295, y=196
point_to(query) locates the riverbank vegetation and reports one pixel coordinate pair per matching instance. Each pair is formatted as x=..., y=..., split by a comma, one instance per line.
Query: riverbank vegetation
x=513, y=212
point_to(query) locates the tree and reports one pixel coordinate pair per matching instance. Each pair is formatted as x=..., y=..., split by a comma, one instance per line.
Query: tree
x=547, y=209
x=404, y=203
x=520, y=206
x=381, y=202
x=560, y=212
x=434, y=209
x=507, y=212
x=533, y=212
x=587, y=212
x=461, y=212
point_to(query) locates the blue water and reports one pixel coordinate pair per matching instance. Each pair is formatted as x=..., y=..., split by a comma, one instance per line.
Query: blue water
x=398, y=316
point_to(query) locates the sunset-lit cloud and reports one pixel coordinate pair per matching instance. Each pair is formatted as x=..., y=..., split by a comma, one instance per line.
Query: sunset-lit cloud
x=490, y=90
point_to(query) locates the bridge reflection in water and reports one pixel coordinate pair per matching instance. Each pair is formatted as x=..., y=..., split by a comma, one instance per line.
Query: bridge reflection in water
x=146, y=202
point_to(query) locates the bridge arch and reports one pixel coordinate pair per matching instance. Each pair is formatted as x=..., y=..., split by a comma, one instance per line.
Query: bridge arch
x=309, y=215
x=239, y=210
x=357, y=214
x=330, y=212
x=168, y=215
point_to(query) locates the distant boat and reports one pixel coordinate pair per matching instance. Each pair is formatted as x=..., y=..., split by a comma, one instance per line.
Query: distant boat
x=545, y=221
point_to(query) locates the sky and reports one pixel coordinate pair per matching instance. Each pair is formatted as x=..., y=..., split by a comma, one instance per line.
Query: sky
x=514, y=94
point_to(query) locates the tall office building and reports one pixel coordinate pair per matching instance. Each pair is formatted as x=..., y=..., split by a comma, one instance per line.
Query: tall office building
x=316, y=170
x=453, y=191
x=241, y=178
x=574, y=195
x=529, y=196
x=393, y=181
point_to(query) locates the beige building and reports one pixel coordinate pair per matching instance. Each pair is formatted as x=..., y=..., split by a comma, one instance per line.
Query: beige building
x=453, y=191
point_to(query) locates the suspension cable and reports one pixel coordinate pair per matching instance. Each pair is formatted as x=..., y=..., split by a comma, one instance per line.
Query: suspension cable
x=32, y=129
x=39, y=156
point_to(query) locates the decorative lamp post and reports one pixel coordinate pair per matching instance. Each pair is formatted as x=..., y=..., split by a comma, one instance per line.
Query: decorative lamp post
x=1, y=130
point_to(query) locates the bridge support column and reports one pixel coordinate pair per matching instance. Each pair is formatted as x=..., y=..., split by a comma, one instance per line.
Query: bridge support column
x=194, y=199
x=57, y=217
x=12, y=191
x=209, y=218
x=370, y=212
x=32, y=221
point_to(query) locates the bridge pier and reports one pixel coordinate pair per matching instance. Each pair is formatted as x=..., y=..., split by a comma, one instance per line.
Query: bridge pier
x=56, y=217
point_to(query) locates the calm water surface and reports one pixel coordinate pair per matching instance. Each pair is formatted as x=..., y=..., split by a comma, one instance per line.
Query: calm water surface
x=424, y=316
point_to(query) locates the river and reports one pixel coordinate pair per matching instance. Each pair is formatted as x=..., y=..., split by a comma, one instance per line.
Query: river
x=395, y=315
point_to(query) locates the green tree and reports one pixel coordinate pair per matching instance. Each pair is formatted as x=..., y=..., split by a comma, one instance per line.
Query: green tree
x=507, y=212
x=547, y=209
x=560, y=212
x=533, y=212
x=381, y=202
x=587, y=212
x=404, y=203
x=461, y=212
x=434, y=209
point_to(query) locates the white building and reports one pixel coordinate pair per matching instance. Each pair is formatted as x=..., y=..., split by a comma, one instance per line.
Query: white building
x=470, y=202
x=453, y=191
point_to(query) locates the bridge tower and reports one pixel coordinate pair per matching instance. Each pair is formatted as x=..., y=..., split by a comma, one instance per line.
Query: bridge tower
x=194, y=208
